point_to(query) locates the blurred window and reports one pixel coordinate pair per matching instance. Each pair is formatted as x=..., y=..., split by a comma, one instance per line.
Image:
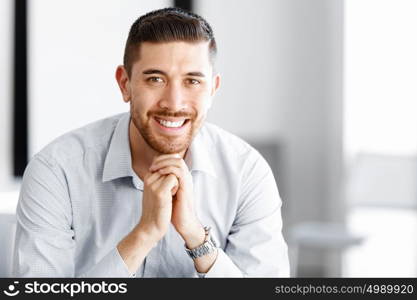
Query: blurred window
x=381, y=136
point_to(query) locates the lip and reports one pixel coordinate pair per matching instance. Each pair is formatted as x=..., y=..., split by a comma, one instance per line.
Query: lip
x=171, y=131
x=170, y=119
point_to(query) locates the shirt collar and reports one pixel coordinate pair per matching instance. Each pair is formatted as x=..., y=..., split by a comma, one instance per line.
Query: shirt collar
x=118, y=162
x=198, y=157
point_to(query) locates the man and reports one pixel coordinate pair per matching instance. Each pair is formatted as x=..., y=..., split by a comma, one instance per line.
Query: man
x=155, y=192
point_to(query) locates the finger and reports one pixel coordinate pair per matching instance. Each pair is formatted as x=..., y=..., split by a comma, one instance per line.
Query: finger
x=180, y=163
x=172, y=170
x=161, y=186
x=159, y=183
x=174, y=190
x=163, y=156
x=166, y=156
x=169, y=182
x=165, y=161
x=150, y=178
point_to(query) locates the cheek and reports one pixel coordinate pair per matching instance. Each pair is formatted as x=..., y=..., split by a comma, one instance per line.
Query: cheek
x=143, y=100
x=203, y=104
x=201, y=98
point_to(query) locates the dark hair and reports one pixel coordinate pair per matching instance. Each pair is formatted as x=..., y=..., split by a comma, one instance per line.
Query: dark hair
x=167, y=25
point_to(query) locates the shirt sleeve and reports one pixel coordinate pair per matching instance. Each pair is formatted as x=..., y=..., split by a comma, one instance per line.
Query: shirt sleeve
x=255, y=246
x=45, y=244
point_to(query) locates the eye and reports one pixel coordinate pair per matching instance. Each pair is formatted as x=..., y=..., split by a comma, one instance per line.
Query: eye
x=155, y=79
x=193, y=81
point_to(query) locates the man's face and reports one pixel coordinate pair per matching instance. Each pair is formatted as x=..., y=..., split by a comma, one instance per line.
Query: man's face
x=170, y=91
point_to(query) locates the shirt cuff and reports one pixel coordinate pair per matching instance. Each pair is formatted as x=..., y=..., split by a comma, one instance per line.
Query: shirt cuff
x=222, y=267
x=112, y=265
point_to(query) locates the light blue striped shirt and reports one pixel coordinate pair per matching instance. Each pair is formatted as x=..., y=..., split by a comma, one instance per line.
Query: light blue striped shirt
x=80, y=197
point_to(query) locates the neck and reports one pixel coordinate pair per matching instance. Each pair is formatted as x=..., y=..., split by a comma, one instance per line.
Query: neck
x=142, y=154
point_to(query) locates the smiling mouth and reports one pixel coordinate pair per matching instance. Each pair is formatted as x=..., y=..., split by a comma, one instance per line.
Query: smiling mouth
x=172, y=124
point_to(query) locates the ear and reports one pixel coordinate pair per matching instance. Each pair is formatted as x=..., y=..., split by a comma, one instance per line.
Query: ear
x=216, y=84
x=123, y=81
x=214, y=88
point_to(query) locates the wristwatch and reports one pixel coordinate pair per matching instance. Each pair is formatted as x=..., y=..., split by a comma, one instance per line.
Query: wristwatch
x=207, y=247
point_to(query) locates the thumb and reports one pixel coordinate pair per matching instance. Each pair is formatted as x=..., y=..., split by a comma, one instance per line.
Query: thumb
x=170, y=183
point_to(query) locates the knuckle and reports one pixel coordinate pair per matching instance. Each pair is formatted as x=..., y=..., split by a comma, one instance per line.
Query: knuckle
x=163, y=169
x=172, y=177
x=184, y=166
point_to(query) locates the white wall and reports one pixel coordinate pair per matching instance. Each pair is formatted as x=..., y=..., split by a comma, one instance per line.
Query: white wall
x=6, y=42
x=380, y=81
x=250, y=59
x=281, y=62
x=381, y=136
x=75, y=46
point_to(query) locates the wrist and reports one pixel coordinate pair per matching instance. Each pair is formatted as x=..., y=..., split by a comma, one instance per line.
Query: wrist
x=204, y=255
x=144, y=237
x=134, y=248
x=194, y=236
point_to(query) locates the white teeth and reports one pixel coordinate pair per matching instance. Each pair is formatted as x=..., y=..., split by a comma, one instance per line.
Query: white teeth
x=171, y=124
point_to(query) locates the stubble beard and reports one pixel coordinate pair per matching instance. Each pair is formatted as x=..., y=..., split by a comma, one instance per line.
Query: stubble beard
x=164, y=144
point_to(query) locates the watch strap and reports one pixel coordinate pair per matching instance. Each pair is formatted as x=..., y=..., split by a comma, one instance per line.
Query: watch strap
x=207, y=247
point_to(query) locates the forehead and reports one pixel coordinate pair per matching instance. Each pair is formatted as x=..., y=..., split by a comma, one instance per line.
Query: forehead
x=177, y=55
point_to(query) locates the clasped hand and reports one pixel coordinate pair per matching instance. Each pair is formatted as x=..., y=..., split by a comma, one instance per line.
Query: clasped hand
x=168, y=197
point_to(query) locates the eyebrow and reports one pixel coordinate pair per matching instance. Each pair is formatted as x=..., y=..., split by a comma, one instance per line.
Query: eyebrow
x=155, y=71
x=196, y=74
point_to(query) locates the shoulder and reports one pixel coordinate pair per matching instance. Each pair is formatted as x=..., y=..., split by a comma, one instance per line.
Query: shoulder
x=231, y=149
x=93, y=137
x=243, y=168
x=224, y=140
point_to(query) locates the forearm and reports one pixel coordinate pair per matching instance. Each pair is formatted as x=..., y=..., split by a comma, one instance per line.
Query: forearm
x=134, y=248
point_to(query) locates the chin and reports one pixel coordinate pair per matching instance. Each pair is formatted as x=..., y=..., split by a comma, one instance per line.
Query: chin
x=166, y=147
x=164, y=144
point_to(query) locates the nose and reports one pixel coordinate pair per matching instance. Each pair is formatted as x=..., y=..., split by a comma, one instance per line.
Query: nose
x=173, y=98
